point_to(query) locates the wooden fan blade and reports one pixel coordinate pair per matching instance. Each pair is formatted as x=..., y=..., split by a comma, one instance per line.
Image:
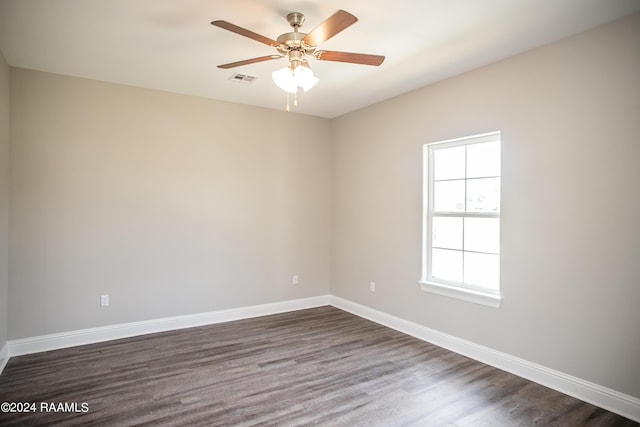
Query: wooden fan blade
x=354, y=58
x=249, y=61
x=244, y=32
x=329, y=28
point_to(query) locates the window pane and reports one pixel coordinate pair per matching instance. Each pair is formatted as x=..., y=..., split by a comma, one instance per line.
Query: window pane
x=483, y=195
x=482, y=235
x=447, y=232
x=448, y=196
x=448, y=163
x=483, y=159
x=482, y=270
x=446, y=265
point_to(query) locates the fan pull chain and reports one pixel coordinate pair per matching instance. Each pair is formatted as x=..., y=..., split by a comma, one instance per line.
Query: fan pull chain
x=287, y=109
x=295, y=99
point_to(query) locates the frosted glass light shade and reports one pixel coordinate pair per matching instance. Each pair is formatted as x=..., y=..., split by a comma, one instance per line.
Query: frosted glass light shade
x=289, y=80
x=304, y=78
x=284, y=79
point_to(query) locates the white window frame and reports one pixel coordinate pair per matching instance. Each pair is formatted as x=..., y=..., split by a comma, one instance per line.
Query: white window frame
x=428, y=283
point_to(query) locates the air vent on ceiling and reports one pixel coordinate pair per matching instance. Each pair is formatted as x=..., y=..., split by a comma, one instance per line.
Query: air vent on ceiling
x=242, y=78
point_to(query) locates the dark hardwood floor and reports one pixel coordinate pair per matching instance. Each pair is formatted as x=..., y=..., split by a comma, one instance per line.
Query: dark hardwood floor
x=320, y=366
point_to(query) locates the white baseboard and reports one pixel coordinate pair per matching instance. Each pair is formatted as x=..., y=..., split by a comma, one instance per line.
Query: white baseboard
x=4, y=356
x=620, y=403
x=125, y=330
x=611, y=400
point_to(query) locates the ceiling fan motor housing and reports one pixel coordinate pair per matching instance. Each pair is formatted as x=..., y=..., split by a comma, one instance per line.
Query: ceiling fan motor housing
x=293, y=41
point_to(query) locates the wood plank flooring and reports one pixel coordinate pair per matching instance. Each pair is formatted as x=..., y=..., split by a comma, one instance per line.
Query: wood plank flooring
x=320, y=366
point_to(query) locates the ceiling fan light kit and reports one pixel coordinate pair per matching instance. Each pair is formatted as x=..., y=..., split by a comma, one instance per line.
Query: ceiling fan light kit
x=296, y=46
x=289, y=79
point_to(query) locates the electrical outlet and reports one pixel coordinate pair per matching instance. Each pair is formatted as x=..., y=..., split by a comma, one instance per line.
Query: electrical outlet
x=294, y=280
x=372, y=286
x=104, y=300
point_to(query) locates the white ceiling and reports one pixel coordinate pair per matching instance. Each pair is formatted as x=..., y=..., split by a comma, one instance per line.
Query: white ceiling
x=170, y=44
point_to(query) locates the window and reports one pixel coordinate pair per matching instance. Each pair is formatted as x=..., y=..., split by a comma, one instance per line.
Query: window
x=461, y=249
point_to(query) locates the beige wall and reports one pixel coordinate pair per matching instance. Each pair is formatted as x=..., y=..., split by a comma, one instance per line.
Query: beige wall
x=570, y=120
x=170, y=204
x=4, y=198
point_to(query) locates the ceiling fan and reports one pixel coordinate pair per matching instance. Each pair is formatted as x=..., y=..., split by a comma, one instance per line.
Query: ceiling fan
x=296, y=46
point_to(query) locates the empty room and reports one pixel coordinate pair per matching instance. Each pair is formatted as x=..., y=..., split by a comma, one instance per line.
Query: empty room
x=337, y=213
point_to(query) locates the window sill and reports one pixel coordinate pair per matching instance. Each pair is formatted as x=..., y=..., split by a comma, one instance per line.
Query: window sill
x=478, y=297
